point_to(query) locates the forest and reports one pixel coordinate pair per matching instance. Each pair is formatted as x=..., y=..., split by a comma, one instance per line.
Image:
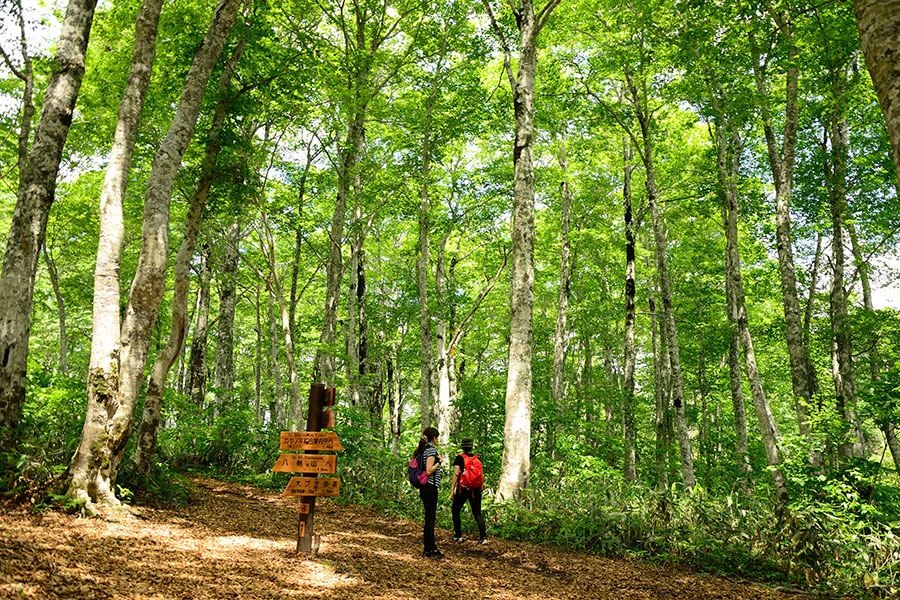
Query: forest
x=644, y=253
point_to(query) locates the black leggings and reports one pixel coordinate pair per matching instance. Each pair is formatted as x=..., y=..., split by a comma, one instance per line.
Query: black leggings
x=429, y=495
x=474, y=499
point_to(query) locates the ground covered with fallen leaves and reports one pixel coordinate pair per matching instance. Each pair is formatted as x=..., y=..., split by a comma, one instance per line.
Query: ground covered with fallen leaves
x=236, y=541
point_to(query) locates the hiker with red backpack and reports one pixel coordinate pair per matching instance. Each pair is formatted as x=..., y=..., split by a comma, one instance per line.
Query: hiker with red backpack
x=425, y=474
x=466, y=486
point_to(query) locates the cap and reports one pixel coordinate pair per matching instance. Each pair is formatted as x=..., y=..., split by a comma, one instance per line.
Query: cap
x=467, y=444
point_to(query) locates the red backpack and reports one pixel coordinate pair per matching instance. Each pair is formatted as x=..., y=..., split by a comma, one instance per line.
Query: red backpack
x=472, y=475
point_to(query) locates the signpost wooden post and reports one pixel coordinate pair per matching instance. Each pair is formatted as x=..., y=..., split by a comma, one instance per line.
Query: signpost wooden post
x=309, y=464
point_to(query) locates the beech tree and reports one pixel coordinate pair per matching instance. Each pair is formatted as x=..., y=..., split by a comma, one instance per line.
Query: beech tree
x=111, y=406
x=517, y=433
x=36, y=193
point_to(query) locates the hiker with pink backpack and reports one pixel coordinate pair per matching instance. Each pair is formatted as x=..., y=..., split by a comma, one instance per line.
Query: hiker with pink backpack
x=425, y=474
x=466, y=486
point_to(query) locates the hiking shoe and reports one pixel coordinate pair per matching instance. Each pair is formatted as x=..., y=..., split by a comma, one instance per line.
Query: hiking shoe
x=483, y=541
x=433, y=554
x=457, y=538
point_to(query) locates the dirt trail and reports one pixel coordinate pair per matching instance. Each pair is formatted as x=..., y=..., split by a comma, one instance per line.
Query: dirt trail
x=236, y=541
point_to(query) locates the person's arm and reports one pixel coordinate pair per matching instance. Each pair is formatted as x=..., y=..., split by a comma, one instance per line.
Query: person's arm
x=431, y=464
x=456, y=474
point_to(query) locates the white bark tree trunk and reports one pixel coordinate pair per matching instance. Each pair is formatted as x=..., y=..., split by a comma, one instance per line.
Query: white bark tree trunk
x=878, y=22
x=100, y=452
x=442, y=405
x=223, y=376
x=103, y=371
x=516, y=464
x=560, y=333
x=37, y=188
x=267, y=242
x=61, y=307
x=771, y=436
x=426, y=348
x=279, y=414
x=153, y=399
x=662, y=265
x=842, y=370
x=197, y=362
x=660, y=378
x=630, y=468
x=395, y=398
x=781, y=161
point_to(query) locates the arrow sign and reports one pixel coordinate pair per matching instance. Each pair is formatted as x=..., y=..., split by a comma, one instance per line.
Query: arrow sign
x=309, y=486
x=306, y=463
x=310, y=440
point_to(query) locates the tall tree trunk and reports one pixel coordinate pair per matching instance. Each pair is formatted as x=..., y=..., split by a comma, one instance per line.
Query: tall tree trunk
x=660, y=393
x=426, y=349
x=771, y=436
x=878, y=22
x=734, y=352
x=368, y=397
x=279, y=415
x=561, y=334
x=842, y=363
x=887, y=428
x=267, y=241
x=662, y=265
x=395, y=398
x=103, y=372
x=630, y=310
x=298, y=233
x=813, y=282
x=26, y=74
x=803, y=375
x=349, y=155
x=37, y=189
x=223, y=377
x=61, y=306
x=96, y=464
x=197, y=361
x=257, y=370
x=734, y=336
x=442, y=405
x=351, y=329
x=146, y=443
x=516, y=465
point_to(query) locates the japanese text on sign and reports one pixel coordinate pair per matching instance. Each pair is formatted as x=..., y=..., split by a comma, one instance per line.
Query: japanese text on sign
x=310, y=440
x=308, y=486
x=306, y=463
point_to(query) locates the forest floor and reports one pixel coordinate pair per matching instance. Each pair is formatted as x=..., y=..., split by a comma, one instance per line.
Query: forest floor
x=237, y=541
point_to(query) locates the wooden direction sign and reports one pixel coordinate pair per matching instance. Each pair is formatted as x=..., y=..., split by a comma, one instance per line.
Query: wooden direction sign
x=306, y=463
x=309, y=486
x=310, y=440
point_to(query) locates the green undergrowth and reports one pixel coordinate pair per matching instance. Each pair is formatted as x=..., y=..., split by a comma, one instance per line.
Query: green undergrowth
x=839, y=533
x=825, y=542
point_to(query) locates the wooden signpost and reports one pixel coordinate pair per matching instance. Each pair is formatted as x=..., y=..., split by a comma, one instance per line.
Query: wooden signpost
x=312, y=441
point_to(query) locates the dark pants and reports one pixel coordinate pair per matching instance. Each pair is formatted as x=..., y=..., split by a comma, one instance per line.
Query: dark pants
x=429, y=495
x=473, y=497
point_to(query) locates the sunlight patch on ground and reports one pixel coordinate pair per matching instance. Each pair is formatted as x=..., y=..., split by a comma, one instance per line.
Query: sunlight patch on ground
x=242, y=541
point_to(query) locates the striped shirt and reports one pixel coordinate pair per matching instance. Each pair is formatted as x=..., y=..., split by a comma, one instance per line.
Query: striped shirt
x=435, y=478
